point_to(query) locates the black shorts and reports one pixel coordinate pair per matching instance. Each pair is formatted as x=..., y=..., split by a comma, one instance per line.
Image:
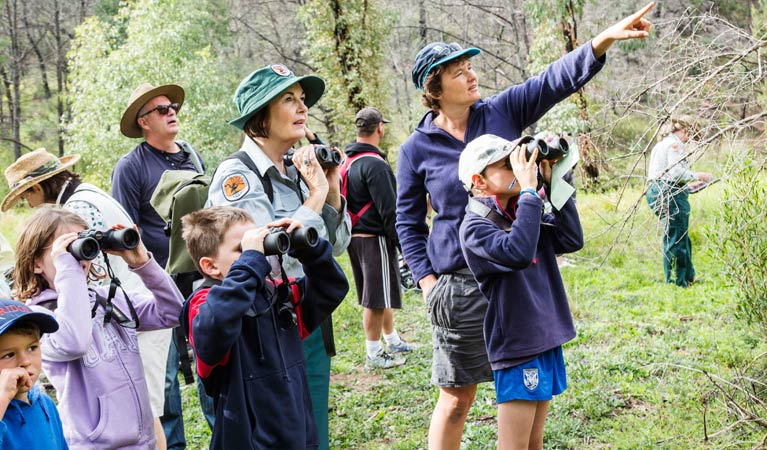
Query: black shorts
x=376, y=272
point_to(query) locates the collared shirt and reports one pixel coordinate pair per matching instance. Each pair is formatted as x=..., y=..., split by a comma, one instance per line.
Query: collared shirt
x=134, y=180
x=669, y=162
x=234, y=184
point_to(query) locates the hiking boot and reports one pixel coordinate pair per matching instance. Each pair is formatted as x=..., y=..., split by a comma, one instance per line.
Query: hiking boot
x=383, y=360
x=402, y=347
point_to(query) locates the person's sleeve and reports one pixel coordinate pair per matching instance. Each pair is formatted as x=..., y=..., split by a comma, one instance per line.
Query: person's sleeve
x=324, y=284
x=566, y=232
x=678, y=166
x=236, y=185
x=218, y=323
x=383, y=191
x=73, y=313
x=204, y=370
x=160, y=308
x=126, y=188
x=412, y=229
x=338, y=225
x=527, y=102
x=491, y=250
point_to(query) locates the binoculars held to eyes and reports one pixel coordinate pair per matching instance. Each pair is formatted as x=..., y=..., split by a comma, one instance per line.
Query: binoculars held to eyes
x=328, y=157
x=280, y=242
x=90, y=243
x=553, y=149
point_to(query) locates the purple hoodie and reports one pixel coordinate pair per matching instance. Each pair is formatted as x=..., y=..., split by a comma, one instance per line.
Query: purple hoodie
x=96, y=368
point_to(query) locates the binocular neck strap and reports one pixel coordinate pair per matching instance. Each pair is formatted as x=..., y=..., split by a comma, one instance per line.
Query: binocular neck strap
x=114, y=283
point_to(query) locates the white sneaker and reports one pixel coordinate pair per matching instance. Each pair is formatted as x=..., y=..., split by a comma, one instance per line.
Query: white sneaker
x=383, y=360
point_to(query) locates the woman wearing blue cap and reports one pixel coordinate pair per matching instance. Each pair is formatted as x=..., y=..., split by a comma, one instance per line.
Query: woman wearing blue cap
x=273, y=104
x=428, y=165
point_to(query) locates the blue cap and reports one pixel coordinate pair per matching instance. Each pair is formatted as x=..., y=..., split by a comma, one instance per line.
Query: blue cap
x=435, y=54
x=12, y=311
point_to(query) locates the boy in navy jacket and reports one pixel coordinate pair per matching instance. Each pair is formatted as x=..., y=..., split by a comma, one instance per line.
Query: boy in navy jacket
x=510, y=246
x=248, y=349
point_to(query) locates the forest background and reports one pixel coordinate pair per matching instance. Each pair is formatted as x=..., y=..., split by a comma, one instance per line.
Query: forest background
x=653, y=366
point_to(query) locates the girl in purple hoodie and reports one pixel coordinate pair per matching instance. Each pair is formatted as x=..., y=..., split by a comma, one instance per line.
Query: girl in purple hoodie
x=93, y=360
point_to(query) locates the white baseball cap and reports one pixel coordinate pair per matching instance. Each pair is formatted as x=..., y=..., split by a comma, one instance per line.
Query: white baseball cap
x=480, y=153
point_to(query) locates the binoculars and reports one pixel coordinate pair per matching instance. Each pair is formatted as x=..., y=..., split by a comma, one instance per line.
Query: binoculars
x=280, y=242
x=554, y=149
x=328, y=157
x=90, y=243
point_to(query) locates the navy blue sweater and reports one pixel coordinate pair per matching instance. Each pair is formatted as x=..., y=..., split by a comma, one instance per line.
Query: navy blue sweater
x=134, y=180
x=428, y=160
x=517, y=272
x=254, y=369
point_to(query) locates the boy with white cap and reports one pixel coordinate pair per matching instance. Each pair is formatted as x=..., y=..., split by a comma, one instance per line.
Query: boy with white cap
x=510, y=246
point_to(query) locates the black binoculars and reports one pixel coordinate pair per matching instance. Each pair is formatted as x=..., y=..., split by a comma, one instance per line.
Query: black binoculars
x=280, y=242
x=552, y=150
x=328, y=157
x=90, y=243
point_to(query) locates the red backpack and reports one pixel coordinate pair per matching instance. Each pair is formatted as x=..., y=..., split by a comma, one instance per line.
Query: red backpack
x=343, y=170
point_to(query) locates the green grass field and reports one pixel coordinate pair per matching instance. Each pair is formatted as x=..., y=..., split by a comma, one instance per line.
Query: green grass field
x=637, y=369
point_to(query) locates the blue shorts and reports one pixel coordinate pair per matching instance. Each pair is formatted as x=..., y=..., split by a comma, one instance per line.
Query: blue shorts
x=537, y=380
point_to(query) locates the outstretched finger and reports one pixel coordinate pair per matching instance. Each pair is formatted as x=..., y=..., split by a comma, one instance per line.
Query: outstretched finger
x=639, y=14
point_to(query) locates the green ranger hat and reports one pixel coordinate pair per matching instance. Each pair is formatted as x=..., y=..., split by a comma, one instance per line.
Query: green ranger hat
x=262, y=86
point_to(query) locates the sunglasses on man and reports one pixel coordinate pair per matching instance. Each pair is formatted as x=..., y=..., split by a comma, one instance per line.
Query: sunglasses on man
x=162, y=109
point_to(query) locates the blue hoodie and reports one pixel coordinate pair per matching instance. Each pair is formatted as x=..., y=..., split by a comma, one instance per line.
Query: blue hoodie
x=517, y=272
x=32, y=426
x=428, y=160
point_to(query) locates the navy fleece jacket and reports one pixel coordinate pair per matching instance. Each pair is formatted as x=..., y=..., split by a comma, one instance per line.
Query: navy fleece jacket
x=517, y=272
x=253, y=368
x=428, y=160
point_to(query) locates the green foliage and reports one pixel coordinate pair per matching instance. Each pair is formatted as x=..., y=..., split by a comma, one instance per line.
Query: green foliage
x=740, y=233
x=347, y=40
x=635, y=377
x=548, y=44
x=162, y=41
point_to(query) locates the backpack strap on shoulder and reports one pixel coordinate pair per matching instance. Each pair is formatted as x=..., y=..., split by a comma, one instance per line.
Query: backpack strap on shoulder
x=485, y=211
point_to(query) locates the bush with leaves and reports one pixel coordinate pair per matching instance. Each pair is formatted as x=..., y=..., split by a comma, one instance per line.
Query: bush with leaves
x=158, y=42
x=740, y=236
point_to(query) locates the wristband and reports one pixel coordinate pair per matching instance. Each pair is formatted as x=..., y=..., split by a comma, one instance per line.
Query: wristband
x=530, y=191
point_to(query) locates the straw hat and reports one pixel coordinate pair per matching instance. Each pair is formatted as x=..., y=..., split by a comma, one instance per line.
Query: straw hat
x=31, y=169
x=139, y=97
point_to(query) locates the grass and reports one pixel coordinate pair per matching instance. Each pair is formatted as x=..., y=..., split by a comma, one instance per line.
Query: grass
x=636, y=369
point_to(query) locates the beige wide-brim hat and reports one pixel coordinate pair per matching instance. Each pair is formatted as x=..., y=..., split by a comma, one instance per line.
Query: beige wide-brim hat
x=31, y=169
x=139, y=97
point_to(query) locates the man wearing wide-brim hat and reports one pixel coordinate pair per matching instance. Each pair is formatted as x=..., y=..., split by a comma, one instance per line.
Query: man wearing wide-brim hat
x=151, y=114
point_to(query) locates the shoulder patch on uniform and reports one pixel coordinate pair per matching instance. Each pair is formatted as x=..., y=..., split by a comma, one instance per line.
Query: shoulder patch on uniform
x=675, y=147
x=235, y=186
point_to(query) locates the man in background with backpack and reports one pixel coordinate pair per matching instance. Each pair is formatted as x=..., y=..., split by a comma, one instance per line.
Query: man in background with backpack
x=151, y=115
x=371, y=194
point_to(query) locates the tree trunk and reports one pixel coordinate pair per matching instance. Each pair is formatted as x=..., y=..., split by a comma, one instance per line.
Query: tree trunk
x=15, y=60
x=61, y=72
x=36, y=48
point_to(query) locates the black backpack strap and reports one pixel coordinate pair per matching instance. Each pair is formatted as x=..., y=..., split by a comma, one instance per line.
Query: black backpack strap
x=184, y=283
x=327, y=336
x=265, y=181
x=485, y=211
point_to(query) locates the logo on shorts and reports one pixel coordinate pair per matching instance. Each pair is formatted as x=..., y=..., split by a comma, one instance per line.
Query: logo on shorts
x=235, y=187
x=530, y=378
